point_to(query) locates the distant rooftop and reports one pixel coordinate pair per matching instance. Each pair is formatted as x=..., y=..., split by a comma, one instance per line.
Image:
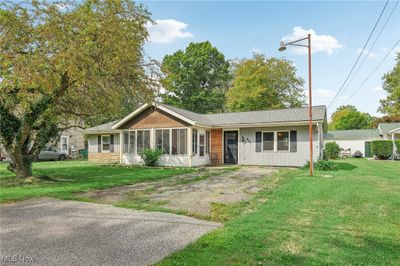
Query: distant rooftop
x=386, y=127
x=355, y=134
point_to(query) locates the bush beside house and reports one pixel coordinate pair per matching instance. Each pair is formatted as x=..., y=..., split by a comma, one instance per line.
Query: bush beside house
x=332, y=150
x=382, y=149
x=150, y=156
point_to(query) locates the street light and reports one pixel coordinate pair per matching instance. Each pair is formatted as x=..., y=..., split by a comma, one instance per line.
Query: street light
x=282, y=48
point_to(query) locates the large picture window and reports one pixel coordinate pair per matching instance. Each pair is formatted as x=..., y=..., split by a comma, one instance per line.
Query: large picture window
x=283, y=141
x=129, y=138
x=162, y=140
x=179, y=141
x=143, y=140
x=268, y=141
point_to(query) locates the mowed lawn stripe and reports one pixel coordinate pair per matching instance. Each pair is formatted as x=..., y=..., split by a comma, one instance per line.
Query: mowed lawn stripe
x=63, y=179
x=350, y=216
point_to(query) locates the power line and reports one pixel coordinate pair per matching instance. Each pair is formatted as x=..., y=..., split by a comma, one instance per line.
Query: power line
x=371, y=47
x=370, y=75
x=358, y=58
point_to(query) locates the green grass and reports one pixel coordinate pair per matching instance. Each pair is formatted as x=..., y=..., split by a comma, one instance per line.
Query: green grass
x=346, y=217
x=63, y=179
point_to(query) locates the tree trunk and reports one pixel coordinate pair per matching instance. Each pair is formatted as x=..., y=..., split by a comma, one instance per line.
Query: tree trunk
x=20, y=165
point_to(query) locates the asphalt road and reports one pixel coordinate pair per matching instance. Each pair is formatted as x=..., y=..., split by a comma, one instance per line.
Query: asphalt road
x=54, y=232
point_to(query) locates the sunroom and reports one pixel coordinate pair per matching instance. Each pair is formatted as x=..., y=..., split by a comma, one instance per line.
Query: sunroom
x=182, y=143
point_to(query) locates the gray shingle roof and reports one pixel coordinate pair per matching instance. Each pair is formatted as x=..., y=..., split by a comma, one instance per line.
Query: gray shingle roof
x=356, y=134
x=238, y=118
x=103, y=127
x=386, y=127
x=253, y=117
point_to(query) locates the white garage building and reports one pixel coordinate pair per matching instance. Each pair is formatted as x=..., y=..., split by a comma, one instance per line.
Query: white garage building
x=360, y=139
x=355, y=140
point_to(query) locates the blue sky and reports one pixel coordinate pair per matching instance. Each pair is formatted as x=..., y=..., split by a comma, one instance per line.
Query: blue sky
x=238, y=29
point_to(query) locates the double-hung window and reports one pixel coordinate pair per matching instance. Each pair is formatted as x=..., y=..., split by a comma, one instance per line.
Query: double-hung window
x=268, y=141
x=207, y=142
x=105, y=142
x=162, y=140
x=283, y=140
x=201, y=144
x=194, y=141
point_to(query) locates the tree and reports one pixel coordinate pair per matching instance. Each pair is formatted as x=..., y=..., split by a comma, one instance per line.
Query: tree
x=265, y=83
x=391, y=84
x=63, y=60
x=196, y=79
x=386, y=119
x=348, y=117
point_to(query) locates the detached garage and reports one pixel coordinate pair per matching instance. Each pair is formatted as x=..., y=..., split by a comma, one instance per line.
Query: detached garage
x=355, y=140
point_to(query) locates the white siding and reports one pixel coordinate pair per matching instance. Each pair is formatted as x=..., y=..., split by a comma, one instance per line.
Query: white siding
x=93, y=143
x=249, y=156
x=353, y=145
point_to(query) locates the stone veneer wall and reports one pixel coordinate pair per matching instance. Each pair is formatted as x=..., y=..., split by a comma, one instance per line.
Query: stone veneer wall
x=104, y=157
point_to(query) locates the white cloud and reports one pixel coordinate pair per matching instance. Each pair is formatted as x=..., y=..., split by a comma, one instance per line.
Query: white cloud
x=381, y=93
x=319, y=43
x=324, y=96
x=167, y=30
x=255, y=50
x=370, y=55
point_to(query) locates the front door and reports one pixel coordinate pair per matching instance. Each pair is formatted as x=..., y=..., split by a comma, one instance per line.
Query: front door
x=230, y=147
x=367, y=149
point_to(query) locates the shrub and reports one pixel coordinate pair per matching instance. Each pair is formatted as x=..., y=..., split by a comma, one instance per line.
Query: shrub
x=322, y=165
x=150, y=156
x=332, y=150
x=382, y=149
x=398, y=146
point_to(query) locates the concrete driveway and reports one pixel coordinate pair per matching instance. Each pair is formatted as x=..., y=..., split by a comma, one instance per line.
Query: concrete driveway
x=55, y=232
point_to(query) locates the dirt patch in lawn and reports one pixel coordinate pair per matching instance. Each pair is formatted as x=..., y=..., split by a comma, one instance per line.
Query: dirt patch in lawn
x=193, y=193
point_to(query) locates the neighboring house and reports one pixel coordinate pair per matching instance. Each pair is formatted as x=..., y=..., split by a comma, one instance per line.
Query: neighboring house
x=389, y=131
x=355, y=140
x=360, y=139
x=273, y=137
x=70, y=142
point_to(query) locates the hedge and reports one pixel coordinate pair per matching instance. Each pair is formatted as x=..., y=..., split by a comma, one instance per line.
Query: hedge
x=383, y=149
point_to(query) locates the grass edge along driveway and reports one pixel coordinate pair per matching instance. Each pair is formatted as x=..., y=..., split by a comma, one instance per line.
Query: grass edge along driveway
x=63, y=179
x=346, y=217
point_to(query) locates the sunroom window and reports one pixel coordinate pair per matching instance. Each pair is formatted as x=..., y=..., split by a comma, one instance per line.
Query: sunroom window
x=162, y=140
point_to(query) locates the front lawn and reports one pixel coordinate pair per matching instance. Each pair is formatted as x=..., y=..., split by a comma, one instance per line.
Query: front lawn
x=346, y=217
x=63, y=179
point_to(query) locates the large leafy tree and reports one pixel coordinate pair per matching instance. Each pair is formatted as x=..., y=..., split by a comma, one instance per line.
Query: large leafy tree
x=265, y=83
x=391, y=84
x=64, y=60
x=196, y=79
x=348, y=117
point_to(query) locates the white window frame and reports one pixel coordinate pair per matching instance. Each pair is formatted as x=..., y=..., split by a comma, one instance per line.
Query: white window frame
x=204, y=144
x=162, y=139
x=262, y=141
x=102, y=143
x=136, y=136
x=288, y=150
x=61, y=143
x=275, y=140
x=178, y=141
